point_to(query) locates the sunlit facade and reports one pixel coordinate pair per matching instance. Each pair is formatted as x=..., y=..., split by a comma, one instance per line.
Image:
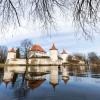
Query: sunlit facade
x=37, y=55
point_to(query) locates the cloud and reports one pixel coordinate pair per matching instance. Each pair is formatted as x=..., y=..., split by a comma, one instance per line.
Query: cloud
x=71, y=43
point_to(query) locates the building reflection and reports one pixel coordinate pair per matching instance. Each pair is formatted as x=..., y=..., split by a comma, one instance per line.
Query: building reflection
x=34, y=84
x=54, y=76
x=65, y=71
x=65, y=79
x=20, y=93
x=19, y=87
x=65, y=74
x=6, y=83
x=14, y=79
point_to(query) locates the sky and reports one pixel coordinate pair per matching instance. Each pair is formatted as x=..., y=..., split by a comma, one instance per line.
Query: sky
x=64, y=36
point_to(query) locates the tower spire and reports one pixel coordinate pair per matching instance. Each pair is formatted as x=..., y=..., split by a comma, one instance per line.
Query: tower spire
x=63, y=52
x=53, y=47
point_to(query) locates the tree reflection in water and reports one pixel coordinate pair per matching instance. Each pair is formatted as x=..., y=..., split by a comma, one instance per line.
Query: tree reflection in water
x=22, y=88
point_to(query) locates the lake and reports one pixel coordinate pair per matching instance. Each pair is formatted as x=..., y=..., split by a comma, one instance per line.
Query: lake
x=79, y=86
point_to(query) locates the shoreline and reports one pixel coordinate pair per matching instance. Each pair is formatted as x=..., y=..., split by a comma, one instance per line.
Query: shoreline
x=65, y=64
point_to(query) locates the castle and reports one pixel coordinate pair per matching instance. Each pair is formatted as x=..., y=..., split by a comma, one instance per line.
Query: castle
x=37, y=55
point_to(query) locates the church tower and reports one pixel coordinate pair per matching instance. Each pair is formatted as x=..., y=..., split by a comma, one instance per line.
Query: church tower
x=64, y=56
x=11, y=54
x=53, y=53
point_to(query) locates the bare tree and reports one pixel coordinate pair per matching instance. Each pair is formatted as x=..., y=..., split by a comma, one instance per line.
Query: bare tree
x=18, y=53
x=13, y=10
x=3, y=54
x=79, y=56
x=45, y=10
x=25, y=47
x=85, y=12
x=93, y=57
x=86, y=15
x=9, y=11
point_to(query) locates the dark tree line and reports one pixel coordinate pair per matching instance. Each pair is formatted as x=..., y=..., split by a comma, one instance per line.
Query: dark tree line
x=3, y=54
x=76, y=57
x=93, y=58
x=85, y=12
x=18, y=53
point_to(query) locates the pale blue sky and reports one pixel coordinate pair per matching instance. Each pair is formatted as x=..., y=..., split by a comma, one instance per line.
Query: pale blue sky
x=67, y=41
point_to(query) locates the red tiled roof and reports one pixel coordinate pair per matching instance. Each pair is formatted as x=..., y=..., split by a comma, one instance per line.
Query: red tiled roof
x=65, y=80
x=12, y=50
x=53, y=47
x=37, y=47
x=35, y=84
x=63, y=52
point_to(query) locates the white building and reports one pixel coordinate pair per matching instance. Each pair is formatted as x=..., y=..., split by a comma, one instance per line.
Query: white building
x=37, y=50
x=64, y=56
x=37, y=55
x=11, y=54
x=53, y=53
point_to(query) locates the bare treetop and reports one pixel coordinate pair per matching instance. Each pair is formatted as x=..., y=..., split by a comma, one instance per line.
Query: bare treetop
x=13, y=10
x=85, y=12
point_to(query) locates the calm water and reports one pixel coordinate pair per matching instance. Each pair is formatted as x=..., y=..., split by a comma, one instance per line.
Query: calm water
x=79, y=86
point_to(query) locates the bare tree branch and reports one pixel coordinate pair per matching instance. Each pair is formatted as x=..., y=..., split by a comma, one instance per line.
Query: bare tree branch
x=86, y=13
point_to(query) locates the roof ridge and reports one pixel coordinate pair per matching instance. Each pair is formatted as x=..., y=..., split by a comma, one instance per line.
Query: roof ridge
x=37, y=47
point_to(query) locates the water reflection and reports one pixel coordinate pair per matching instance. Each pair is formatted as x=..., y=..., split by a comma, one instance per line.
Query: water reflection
x=95, y=71
x=54, y=76
x=71, y=83
x=36, y=83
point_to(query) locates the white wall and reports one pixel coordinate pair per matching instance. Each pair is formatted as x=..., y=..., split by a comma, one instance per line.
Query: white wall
x=11, y=55
x=19, y=69
x=54, y=74
x=17, y=61
x=64, y=71
x=64, y=57
x=54, y=55
x=32, y=53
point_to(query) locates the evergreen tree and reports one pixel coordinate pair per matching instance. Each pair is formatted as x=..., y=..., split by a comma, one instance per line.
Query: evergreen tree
x=18, y=53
